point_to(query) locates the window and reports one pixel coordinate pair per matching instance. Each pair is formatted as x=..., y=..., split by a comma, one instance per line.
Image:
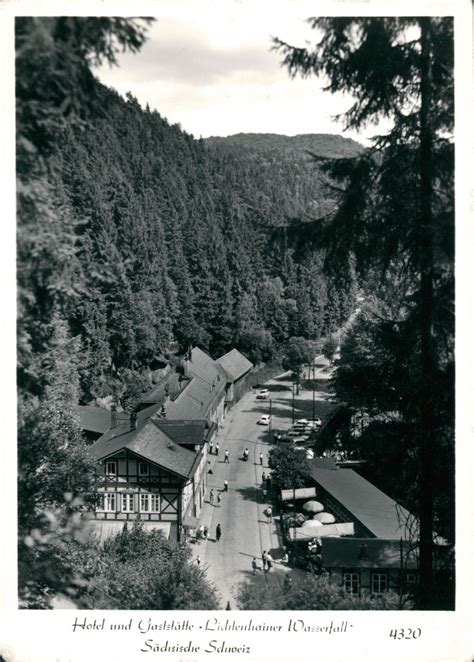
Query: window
x=351, y=582
x=379, y=582
x=411, y=580
x=143, y=468
x=111, y=468
x=127, y=503
x=149, y=503
x=108, y=502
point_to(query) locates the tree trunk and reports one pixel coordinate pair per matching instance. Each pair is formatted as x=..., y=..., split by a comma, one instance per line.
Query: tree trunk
x=425, y=248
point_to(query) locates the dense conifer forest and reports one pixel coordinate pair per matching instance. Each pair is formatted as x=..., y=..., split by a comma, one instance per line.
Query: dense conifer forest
x=173, y=241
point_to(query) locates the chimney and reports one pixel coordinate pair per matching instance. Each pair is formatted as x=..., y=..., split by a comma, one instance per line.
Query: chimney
x=113, y=416
x=187, y=359
x=133, y=421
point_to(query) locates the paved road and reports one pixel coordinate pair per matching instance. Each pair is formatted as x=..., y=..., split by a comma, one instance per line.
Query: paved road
x=246, y=531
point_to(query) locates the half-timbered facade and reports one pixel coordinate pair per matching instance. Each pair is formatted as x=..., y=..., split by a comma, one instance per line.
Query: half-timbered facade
x=142, y=473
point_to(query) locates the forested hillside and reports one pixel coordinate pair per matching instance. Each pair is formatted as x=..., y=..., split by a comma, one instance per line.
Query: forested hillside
x=171, y=240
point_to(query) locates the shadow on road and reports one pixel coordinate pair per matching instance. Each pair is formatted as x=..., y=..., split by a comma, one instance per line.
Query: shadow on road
x=250, y=494
x=285, y=377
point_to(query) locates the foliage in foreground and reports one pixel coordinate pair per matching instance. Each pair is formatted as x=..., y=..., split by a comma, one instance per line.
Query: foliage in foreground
x=290, y=468
x=315, y=593
x=134, y=570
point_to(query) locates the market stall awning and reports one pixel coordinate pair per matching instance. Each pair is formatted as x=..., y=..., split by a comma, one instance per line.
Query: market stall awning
x=300, y=493
x=344, y=529
x=190, y=521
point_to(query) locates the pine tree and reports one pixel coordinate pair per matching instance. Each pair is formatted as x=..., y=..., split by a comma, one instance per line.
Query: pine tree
x=390, y=209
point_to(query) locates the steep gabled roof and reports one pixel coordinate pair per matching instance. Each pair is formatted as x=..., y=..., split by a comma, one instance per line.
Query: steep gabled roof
x=149, y=442
x=187, y=432
x=204, y=390
x=380, y=514
x=170, y=386
x=234, y=364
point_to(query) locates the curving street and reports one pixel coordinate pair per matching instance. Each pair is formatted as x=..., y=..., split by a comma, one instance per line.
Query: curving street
x=246, y=531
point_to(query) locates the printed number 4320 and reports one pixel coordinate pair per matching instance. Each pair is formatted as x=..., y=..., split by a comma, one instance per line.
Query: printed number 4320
x=407, y=633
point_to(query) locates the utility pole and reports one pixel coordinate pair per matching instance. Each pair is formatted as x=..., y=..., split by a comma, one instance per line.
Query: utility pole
x=293, y=403
x=313, y=404
x=427, y=435
x=270, y=424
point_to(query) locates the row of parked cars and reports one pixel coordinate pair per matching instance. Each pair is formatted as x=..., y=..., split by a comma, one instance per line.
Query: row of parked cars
x=300, y=432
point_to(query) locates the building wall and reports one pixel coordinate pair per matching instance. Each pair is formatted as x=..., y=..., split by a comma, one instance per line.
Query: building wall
x=216, y=413
x=130, y=489
x=371, y=580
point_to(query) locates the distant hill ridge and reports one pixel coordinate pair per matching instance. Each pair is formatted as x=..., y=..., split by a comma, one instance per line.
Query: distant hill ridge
x=321, y=144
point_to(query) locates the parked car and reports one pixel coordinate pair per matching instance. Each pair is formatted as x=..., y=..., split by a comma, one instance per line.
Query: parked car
x=291, y=434
x=305, y=432
x=264, y=420
x=317, y=422
x=263, y=394
x=299, y=440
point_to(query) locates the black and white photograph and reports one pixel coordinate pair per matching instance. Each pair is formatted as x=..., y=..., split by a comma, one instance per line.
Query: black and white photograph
x=235, y=320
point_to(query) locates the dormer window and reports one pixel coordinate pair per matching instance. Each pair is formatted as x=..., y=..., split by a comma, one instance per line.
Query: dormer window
x=143, y=468
x=111, y=468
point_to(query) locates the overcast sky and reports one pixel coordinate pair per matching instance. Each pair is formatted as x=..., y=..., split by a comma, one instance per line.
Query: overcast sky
x=211, y=69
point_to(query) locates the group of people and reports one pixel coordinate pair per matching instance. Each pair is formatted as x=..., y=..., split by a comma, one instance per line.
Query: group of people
x=245, y=456
x=267, y=562
x=214, y=449
x=202, y=532
x=216, y=496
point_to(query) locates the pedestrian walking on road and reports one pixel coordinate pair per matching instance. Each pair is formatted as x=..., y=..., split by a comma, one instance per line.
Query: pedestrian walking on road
x=269, y=514
x=254, y=564
x=264, y=477
x=226, y=485
x=211, y=448
x=198, y=560
x=264, y=561
x=269, y=562
x=226, y=458
x=261, y=458
x=217, y=448
x=218, y=498
x=211, y=497
x=218, y=532
x=206, y=532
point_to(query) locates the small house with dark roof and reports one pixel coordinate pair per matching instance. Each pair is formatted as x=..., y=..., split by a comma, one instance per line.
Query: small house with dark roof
x=151, y=472
x=370, y=565
x=166, y=388
x=235, y=367
x=94, y=421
